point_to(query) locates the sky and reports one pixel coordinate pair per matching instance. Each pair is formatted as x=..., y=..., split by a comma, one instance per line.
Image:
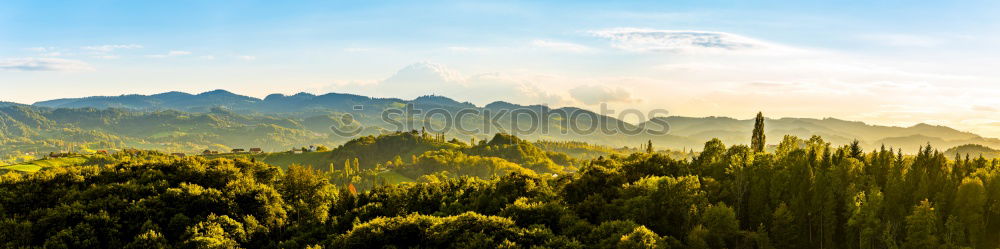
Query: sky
x=882, y=62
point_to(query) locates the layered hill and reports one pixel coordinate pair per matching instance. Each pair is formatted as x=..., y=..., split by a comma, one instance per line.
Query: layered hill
x=220, y=120
x=833, y=130
x=973, y=151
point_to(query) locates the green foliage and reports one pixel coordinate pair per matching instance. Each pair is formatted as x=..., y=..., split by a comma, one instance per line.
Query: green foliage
x=757, y=141
x=499, y=194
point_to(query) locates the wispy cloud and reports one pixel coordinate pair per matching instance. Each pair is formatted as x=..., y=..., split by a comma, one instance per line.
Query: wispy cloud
x=902, y=40
x=174, y=53
x=109, y=48
x=47, y=51
x=681, y=41
x=560, y=46
x=246, y=57
x=596, y=94
x=44, y=64
x=425, y=78
x=464, y=49
x=357, y=49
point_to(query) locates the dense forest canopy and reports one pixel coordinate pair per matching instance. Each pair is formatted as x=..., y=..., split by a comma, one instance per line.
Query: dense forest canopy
x=142, y=172
x=805, y=193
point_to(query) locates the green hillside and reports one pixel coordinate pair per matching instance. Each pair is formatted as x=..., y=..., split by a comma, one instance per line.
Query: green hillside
x=40, y=164
x=220, y=120
x=974, y=151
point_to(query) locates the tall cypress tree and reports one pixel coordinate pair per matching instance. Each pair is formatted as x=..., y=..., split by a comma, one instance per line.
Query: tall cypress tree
x=757, y=141
x=649, y=147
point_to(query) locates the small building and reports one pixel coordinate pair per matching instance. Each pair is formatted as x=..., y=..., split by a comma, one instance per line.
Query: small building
x=296, y=151
x=238, y=151
x=312, y=148
x=256, y=151
x=102, y=152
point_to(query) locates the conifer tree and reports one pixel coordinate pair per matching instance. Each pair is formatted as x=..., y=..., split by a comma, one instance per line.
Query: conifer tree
x=649, y=146
x=757, y=140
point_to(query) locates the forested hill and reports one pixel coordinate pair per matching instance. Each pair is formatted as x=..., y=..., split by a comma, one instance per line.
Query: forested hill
x=805, y=194
x=973, y=151
x=221, y=120
x=834, y=130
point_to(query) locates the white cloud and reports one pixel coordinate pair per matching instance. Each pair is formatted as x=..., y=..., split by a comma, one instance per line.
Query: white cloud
x=47, y=51
x=44, y=64
x=596, y=94
x=560, y=46
x=902, y=40
x=427, y=78
x=109, y=48
x=982, y=108
x=682, y=41
x=173, y=53
x=464, y=49
x=41, y=49
x=246, y=57
x=356, y=49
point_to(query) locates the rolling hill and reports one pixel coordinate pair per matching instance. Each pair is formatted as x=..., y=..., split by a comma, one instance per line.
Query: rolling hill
x=221, y=120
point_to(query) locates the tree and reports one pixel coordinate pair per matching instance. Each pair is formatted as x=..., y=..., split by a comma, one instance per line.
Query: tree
x=921, y=227
x=309, y=194
x=970, y=203
x=784, y=229
x=640, y=238
x=721, y=222
x=757, y=142
x=864, y=217
x=649, y=147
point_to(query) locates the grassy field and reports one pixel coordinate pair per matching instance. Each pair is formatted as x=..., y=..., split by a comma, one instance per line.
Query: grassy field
x=37, y=165
x=395, y=178
x=316, y=160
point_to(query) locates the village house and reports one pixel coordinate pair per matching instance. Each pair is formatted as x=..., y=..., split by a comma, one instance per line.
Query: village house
x=296, y=151
x=256, y=151
x=238, y=151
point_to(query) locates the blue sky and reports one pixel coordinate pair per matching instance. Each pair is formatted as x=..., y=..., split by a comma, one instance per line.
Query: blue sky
x=886, y=62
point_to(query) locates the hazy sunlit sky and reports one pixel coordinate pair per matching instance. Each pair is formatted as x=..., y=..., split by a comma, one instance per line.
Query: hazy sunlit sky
x=882, y=62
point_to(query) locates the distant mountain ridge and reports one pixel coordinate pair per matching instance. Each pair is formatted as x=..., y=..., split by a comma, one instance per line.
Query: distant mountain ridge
x=832, y=130
x=314, y=114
